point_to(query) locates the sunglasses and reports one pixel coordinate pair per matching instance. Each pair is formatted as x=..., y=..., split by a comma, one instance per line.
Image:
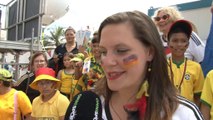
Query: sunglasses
x=164, y=17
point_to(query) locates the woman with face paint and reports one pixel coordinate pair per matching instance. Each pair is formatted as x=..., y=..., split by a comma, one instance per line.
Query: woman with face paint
x=136, y=84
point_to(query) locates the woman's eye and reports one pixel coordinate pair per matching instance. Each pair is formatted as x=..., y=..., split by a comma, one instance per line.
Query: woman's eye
x=120, y=51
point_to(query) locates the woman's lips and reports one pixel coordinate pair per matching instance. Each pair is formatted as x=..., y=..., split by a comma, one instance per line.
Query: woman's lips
x=114, y=75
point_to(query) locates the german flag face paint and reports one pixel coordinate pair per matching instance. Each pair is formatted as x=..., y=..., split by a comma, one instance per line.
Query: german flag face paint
x=130, y=61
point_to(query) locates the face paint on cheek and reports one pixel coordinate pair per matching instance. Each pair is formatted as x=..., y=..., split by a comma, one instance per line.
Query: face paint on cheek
x=130, y=61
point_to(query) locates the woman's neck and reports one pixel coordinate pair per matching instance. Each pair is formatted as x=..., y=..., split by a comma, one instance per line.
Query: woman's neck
x=70, y=46
x=117, y=103
x=124, y=97
x=69, y=70
x=70, y=43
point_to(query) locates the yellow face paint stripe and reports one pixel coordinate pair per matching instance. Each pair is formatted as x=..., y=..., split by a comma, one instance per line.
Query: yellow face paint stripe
x=130, y=60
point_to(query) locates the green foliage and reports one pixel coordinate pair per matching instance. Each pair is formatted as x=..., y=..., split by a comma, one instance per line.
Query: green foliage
x=56, y=35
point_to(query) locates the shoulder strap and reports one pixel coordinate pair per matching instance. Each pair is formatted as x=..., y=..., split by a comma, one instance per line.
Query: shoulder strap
x=22, y=78
x=15, y=105
x=28, y=81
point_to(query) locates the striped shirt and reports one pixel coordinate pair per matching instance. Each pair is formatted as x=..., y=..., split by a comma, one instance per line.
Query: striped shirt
x=186, y=110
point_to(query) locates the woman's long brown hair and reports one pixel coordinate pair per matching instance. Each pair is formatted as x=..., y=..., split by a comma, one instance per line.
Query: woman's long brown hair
x=162, y=101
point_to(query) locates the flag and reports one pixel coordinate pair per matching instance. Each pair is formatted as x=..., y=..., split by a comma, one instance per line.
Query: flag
x=207, y=63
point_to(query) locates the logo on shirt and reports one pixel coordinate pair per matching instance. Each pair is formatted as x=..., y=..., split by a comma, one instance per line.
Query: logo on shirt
x=187, y=76
x=45, y=118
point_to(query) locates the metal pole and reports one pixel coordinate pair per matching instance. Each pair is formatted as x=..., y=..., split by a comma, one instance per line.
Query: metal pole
x=32, y=41
x=41, y=13
x=17, y=14
x=23, y=20
x=3, y=59
x=16, y=72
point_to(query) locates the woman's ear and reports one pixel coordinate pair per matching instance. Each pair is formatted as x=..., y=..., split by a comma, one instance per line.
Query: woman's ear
x=150, y=54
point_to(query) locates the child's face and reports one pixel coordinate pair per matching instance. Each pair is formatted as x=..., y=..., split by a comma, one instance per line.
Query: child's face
x=67, y=62
x=95, y=49
x=46, y=87
x=178, y=44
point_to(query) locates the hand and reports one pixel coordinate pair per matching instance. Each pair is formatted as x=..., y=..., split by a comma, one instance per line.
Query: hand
x=212, y=9
x=79, y=64
x=81, y=49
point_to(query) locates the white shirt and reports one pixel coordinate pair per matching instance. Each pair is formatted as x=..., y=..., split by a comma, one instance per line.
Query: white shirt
x=186, y=110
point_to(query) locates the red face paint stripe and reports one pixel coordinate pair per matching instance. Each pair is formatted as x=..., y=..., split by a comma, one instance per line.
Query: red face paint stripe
x=130, y=60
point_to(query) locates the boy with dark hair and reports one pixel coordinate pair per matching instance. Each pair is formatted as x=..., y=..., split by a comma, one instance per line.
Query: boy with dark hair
x=187, y=75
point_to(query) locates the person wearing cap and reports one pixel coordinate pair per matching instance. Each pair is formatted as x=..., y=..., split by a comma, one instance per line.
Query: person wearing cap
x=14, y=105
x=51, y=104
x=186, y=74
x=164, y=17
x=66, y=75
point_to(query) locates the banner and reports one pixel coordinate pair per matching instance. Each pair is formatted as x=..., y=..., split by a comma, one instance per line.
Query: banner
x=207, y=63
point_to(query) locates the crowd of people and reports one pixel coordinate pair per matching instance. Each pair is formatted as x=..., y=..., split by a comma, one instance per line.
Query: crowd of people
x=134, y=68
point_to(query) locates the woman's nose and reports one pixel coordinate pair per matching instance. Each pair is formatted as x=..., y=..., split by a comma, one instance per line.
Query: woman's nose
x=108, y=60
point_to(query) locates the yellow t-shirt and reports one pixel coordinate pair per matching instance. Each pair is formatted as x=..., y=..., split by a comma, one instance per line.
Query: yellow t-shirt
x=7, y=105
x=207, y=93
x=66, y=82
x=193, y=79
x=52, y=109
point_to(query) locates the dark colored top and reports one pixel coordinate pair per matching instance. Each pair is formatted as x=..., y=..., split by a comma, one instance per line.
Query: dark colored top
x=23, y=85
x=60, y=51
x=88, y=104
x=53, y=65
x=107, y=110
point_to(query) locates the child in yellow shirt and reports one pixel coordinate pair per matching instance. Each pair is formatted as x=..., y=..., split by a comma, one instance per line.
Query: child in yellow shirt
x=187, y=75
